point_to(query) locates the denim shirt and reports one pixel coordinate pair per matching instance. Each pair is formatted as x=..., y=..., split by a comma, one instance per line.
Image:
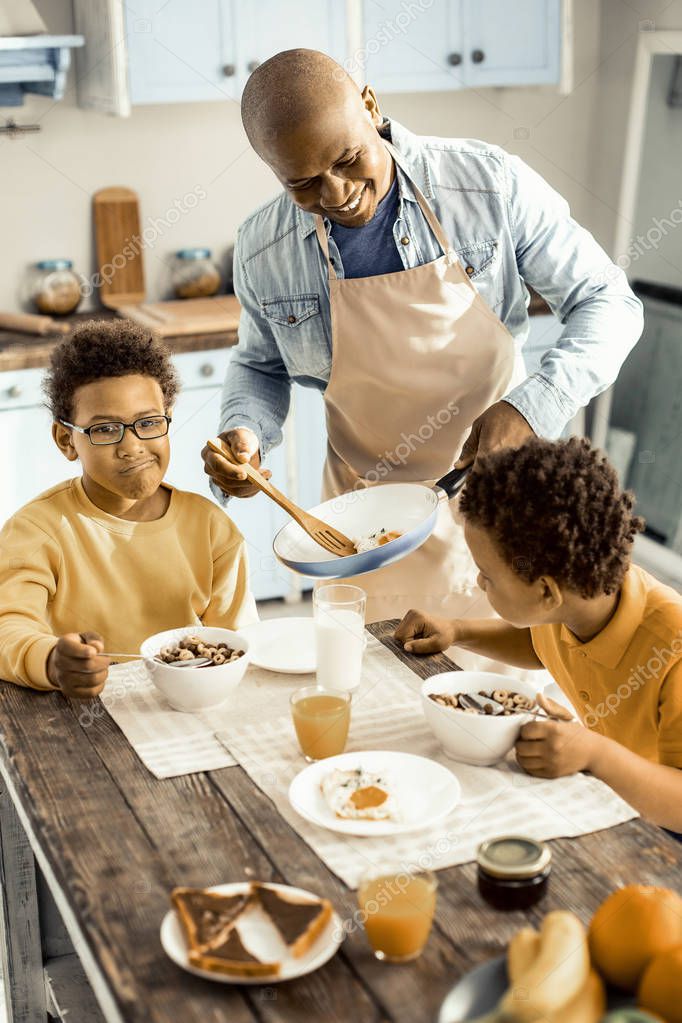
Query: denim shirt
x=507, y=226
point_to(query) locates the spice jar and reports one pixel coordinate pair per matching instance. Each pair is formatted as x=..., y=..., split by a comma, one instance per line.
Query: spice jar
x=194, y=275
x=55, y=287
x=513, y=871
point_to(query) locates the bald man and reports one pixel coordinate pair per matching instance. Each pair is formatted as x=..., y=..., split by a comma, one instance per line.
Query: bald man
x=389, y=275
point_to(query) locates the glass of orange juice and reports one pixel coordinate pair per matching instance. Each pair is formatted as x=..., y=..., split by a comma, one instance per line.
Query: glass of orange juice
x=397, y=906
x=321, y=719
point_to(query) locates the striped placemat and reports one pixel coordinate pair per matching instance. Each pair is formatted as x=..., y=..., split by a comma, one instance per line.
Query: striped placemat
x=171, y=743
x=495, y=800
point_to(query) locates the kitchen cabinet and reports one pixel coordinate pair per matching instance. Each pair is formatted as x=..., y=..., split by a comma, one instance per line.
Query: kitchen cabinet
x=309, y=444
x=412, y=48
x=32, y=463
x=455, y=44
x=195, y=418
x=269, y=26
x=182, y=52
x=205, y=51
x=511, y=44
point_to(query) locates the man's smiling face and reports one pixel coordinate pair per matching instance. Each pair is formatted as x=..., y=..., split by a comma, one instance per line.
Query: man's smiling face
x=335, y=163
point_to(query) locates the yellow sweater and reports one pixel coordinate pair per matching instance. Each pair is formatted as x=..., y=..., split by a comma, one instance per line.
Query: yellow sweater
x=68, y=566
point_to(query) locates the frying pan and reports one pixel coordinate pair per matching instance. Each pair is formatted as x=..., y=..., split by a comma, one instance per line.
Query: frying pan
x=409, y=508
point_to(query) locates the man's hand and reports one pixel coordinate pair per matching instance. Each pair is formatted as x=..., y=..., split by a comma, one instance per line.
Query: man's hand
x=551, y=749
x=232, y=480
x=422, y=634
x=500, y=426
x=74, y=667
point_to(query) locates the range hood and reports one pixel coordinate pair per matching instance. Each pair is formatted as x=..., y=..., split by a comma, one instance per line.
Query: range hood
x=35, y=64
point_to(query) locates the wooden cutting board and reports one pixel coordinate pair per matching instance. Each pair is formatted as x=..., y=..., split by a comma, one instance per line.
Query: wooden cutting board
x=116, y=214
x=186, y=316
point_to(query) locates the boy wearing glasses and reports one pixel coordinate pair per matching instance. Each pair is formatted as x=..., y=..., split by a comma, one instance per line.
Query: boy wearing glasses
x=102, y=561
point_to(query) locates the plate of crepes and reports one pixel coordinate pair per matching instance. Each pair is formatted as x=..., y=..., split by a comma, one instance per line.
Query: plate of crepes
x=374, y=793
x=249, y=932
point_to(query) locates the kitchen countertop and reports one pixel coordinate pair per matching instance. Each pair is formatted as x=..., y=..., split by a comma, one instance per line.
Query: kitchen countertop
x=26, y=351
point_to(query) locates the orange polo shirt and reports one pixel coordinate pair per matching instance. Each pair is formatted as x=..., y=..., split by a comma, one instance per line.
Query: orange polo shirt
x=626, y=682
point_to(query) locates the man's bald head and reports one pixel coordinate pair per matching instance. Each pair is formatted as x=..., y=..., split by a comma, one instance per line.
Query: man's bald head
x=291, y=88
x=308, y=120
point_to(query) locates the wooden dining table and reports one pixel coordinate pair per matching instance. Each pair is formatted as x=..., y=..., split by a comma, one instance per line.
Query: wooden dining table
x=92, y=844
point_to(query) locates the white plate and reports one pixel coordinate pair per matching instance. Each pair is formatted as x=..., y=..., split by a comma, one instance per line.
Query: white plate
x=283, y=644
x=261, y=937
x=424, y=790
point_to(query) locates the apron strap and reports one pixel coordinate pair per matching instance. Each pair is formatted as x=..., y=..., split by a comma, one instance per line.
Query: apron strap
x=431, y=218
x=324, y=245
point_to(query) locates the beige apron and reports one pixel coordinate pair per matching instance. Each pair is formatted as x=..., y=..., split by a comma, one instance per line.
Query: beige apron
x=417, y=355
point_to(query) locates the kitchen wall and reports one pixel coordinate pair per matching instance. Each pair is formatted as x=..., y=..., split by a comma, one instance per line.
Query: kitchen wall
x=621, y=20
x=166, y=152
x=657, y=243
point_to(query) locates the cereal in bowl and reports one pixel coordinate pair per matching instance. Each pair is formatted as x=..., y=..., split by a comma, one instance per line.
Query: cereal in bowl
x=194, y=647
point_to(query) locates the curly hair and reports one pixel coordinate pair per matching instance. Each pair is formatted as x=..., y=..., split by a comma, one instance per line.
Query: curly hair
x=555, y=508
x=106, y=348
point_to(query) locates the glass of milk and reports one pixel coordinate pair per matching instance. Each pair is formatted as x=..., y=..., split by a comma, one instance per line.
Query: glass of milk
x=339, y=613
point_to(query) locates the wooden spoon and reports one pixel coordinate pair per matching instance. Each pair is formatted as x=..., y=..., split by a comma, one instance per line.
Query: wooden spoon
x=322, y=533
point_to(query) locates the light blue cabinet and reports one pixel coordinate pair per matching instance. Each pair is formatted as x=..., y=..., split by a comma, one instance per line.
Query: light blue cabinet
x=410, y=48
x=455, y=44
x=310, y=444
x=30, y=461
x=152, y=52
x=181, y=52
x=269, y=26
x=195, y=418
x=515, y=43
x=207, y=50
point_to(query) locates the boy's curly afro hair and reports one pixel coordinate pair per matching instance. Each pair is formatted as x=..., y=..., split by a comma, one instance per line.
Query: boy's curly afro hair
x=106, y=348
x=555, y=508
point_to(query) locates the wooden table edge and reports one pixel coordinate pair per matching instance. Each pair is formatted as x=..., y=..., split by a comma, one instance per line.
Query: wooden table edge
x=96, y=977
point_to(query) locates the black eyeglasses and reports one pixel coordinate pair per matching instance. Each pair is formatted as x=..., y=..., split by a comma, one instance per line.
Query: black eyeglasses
x=146, y=428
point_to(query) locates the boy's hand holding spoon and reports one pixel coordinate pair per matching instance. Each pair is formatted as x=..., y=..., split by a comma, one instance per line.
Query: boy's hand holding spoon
x=76, y=665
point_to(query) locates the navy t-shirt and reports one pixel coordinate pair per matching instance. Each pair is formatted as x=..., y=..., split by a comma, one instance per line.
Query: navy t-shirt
x=370, y=250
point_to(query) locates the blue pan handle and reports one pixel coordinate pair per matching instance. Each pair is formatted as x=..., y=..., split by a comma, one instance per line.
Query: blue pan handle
x=453, y=481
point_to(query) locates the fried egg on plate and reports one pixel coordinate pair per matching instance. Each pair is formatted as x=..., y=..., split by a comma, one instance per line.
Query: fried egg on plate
x=359, y=794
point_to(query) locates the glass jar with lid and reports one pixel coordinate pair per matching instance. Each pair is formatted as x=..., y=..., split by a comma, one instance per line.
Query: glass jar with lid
x=54, y=287
x=194, y=274
x=513, y=871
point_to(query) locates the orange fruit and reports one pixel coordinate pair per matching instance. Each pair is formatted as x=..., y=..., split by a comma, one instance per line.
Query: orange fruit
x=630, y=927
x=660, y=988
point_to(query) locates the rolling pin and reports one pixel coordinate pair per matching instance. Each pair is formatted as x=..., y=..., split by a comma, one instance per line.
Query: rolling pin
x=28, y=323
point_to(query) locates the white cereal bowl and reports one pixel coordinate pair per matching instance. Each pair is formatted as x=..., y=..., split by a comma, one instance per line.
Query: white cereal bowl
x=195, y=689
x=480, y=739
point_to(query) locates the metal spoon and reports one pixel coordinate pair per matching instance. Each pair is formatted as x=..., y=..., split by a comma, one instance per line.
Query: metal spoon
x=477, y=702
x=190, y=662
x=193, y=662
x=480, y=702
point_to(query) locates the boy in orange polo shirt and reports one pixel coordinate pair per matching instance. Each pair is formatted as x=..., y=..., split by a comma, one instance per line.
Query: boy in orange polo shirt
x=551, y=533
